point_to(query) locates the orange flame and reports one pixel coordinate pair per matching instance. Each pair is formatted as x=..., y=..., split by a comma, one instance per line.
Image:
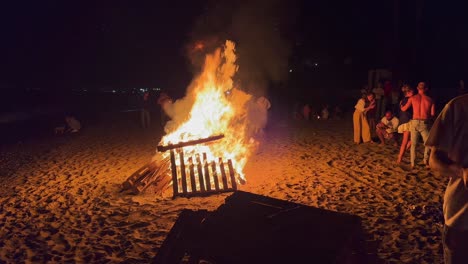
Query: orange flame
x=213, y=106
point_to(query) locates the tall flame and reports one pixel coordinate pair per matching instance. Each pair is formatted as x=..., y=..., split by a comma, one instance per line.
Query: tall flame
x=213, y=106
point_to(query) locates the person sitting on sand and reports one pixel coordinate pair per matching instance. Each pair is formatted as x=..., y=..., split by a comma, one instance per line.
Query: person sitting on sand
x=73, y=124
x=360, y=124
x=387, y=128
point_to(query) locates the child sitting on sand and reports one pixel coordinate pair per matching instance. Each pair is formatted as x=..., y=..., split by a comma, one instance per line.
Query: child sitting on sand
x=73, y=124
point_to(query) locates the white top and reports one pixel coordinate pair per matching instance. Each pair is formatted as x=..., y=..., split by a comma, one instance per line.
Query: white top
x=392, y=124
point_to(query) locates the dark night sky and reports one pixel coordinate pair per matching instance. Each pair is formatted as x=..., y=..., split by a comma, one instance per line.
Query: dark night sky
x=141, y=43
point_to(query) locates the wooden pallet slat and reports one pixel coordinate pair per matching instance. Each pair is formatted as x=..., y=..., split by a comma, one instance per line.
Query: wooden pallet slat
x=215, y=175
x=175, y=182
x=223, y=174
x=200, y=173
x=232, y=175
x=182, y=172
x=192, y=176
x=193, y=184
x=207, y=173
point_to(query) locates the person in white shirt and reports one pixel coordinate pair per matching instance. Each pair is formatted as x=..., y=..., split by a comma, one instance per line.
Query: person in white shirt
x=387, y=128
x=360, y=123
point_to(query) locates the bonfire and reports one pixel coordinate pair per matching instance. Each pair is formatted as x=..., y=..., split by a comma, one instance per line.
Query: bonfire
x=213, y=107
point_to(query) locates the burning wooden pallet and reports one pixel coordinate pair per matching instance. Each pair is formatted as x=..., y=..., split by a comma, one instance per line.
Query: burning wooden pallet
x=154, y=173
x=195, y=176
x=203, y=177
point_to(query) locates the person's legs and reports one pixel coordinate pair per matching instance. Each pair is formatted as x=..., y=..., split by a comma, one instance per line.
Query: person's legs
x=414, y=138
x=392, y=138
x=425, y=134
x=357, y=127
x=380, y=134
x=366, y=137
x=404, y=143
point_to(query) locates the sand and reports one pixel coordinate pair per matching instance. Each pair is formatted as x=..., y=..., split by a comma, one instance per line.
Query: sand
x=60, y=199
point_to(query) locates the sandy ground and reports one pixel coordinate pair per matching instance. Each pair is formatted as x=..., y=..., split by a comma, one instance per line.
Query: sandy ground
x=60, y=199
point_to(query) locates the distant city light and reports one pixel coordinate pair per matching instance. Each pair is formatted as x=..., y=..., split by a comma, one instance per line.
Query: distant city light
x=316, y=64
x=290, y=70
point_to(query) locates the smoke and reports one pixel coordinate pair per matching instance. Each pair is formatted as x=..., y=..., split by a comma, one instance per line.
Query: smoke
x=259, y=28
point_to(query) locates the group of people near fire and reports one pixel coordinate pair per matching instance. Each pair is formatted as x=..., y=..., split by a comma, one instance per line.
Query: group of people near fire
x=410, y=117
x=446, y=139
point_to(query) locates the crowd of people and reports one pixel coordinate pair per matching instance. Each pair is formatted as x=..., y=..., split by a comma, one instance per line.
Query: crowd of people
x=407, y=119
x=446, y=139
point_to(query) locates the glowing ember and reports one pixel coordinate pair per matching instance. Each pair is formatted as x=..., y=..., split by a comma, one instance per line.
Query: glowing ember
x=213, y=106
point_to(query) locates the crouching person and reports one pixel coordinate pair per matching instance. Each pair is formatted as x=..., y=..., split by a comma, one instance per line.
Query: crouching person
x=387, y=128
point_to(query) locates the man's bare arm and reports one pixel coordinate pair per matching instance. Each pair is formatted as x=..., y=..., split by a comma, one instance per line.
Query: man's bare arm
x=407, y=105
x=440, y=162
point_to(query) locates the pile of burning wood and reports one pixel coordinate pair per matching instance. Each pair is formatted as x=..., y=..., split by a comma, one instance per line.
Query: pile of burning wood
x=192, y=176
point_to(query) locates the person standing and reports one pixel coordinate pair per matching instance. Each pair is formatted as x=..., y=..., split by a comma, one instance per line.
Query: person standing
x=165, y=102
x=145, y=111
x=361, y=126
x=449, y=156
x=404, y=127
x=423, y=112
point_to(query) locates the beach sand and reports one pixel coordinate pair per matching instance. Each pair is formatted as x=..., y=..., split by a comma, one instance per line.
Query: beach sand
x=60, y=199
